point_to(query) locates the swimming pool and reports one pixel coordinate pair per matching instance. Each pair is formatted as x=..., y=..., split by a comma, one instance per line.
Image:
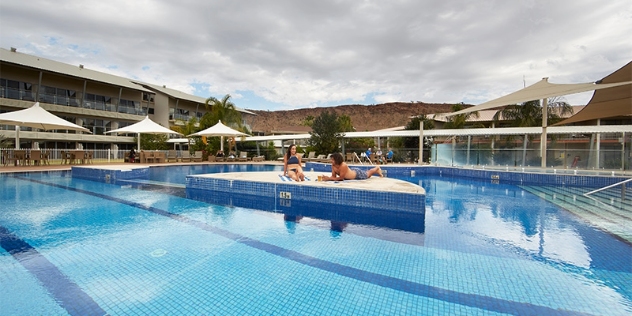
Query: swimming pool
x=73, y=246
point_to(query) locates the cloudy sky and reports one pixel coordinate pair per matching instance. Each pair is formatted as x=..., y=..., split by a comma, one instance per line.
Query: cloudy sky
x=288, y=54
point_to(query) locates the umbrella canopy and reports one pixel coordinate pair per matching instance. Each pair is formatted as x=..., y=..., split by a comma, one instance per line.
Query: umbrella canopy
x=146, y=126
x=37, y=117
x=539, y=90
x=220, y=129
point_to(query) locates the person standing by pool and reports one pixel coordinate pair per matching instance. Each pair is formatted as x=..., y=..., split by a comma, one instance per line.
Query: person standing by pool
x=341, y=171
x=292, y=166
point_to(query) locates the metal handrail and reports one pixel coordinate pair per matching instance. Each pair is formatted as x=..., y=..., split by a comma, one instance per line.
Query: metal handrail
x=608, y=187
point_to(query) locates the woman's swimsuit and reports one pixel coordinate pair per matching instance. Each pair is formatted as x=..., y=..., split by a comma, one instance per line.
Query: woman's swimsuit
x=293, y=160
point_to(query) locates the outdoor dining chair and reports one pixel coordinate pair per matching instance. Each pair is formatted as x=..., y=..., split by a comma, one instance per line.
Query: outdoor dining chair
x=36, y=157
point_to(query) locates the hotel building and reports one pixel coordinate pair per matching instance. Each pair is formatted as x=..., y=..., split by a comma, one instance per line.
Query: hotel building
x=96, y=100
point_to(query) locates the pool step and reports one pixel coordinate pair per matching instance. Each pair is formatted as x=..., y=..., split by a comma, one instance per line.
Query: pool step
x=605, y=210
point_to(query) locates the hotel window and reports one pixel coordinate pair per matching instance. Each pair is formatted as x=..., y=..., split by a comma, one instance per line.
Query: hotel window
x=148, y=97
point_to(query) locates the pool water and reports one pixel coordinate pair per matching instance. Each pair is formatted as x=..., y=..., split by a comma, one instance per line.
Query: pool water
x=79, y=247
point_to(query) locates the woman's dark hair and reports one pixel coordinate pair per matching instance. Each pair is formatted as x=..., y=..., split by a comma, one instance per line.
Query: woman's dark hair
x=289, y=151
x=337, y=157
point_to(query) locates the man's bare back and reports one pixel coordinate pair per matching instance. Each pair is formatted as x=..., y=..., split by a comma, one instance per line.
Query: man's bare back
x=341, y=171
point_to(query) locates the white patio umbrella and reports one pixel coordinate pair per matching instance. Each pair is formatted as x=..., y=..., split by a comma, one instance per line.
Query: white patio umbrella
x=221, y=130
x=37, y=117
x=146, y=126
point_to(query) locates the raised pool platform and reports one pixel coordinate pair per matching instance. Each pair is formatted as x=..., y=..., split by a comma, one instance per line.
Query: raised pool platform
x=383, y=202
x=376, y=201
x=374, y=192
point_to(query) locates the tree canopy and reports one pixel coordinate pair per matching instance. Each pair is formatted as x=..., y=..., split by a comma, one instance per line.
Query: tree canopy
x=413, y=124
x=460, y=121
x=529, y=114
x=220, y=110
x=5, y=142
x=154, y=141
x=327, y=132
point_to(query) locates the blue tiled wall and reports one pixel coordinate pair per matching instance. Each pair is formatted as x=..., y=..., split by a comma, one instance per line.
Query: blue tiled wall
x=106, y=175
x=341, y=196
x=488, y=175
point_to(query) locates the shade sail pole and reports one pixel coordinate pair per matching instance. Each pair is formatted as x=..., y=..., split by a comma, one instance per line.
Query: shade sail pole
x=545, y=116
x=17, y=137
x=138, y=140
x=623, y=152
x=524, y=149
x=598, y=146
x=421, y=141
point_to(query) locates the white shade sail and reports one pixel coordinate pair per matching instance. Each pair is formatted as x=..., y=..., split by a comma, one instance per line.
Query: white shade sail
x=146, y=126
x=37, y=117
x=219, y=129
x=540, y=90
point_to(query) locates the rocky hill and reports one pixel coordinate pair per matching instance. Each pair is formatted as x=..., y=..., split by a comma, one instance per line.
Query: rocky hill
x=363, y=117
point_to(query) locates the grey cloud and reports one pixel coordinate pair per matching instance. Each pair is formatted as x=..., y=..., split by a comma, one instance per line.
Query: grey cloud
x=304, y=53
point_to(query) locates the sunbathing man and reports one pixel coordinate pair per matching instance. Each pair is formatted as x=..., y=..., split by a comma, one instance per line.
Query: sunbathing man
x=341, y=171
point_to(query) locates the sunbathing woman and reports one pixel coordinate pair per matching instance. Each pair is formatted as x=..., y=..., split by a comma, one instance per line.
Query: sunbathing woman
x=292, y=166
x=341, y=171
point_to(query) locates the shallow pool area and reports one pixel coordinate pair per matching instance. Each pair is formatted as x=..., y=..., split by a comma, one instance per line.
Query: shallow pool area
x=73, y=246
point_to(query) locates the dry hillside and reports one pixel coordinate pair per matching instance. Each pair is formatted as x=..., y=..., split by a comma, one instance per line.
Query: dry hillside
x=363, y=117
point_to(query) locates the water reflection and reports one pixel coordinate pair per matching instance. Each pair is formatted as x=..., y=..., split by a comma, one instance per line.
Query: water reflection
x=290, y=222
x=394, y=219
x=336, y=228
x=523, y=223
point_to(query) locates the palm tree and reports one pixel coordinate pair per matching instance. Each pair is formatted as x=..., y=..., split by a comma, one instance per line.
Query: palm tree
x=187, y=129
x=221, y=110
x=529, y=114
x=4, y=142
x=460, y=121
x=413, y=142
